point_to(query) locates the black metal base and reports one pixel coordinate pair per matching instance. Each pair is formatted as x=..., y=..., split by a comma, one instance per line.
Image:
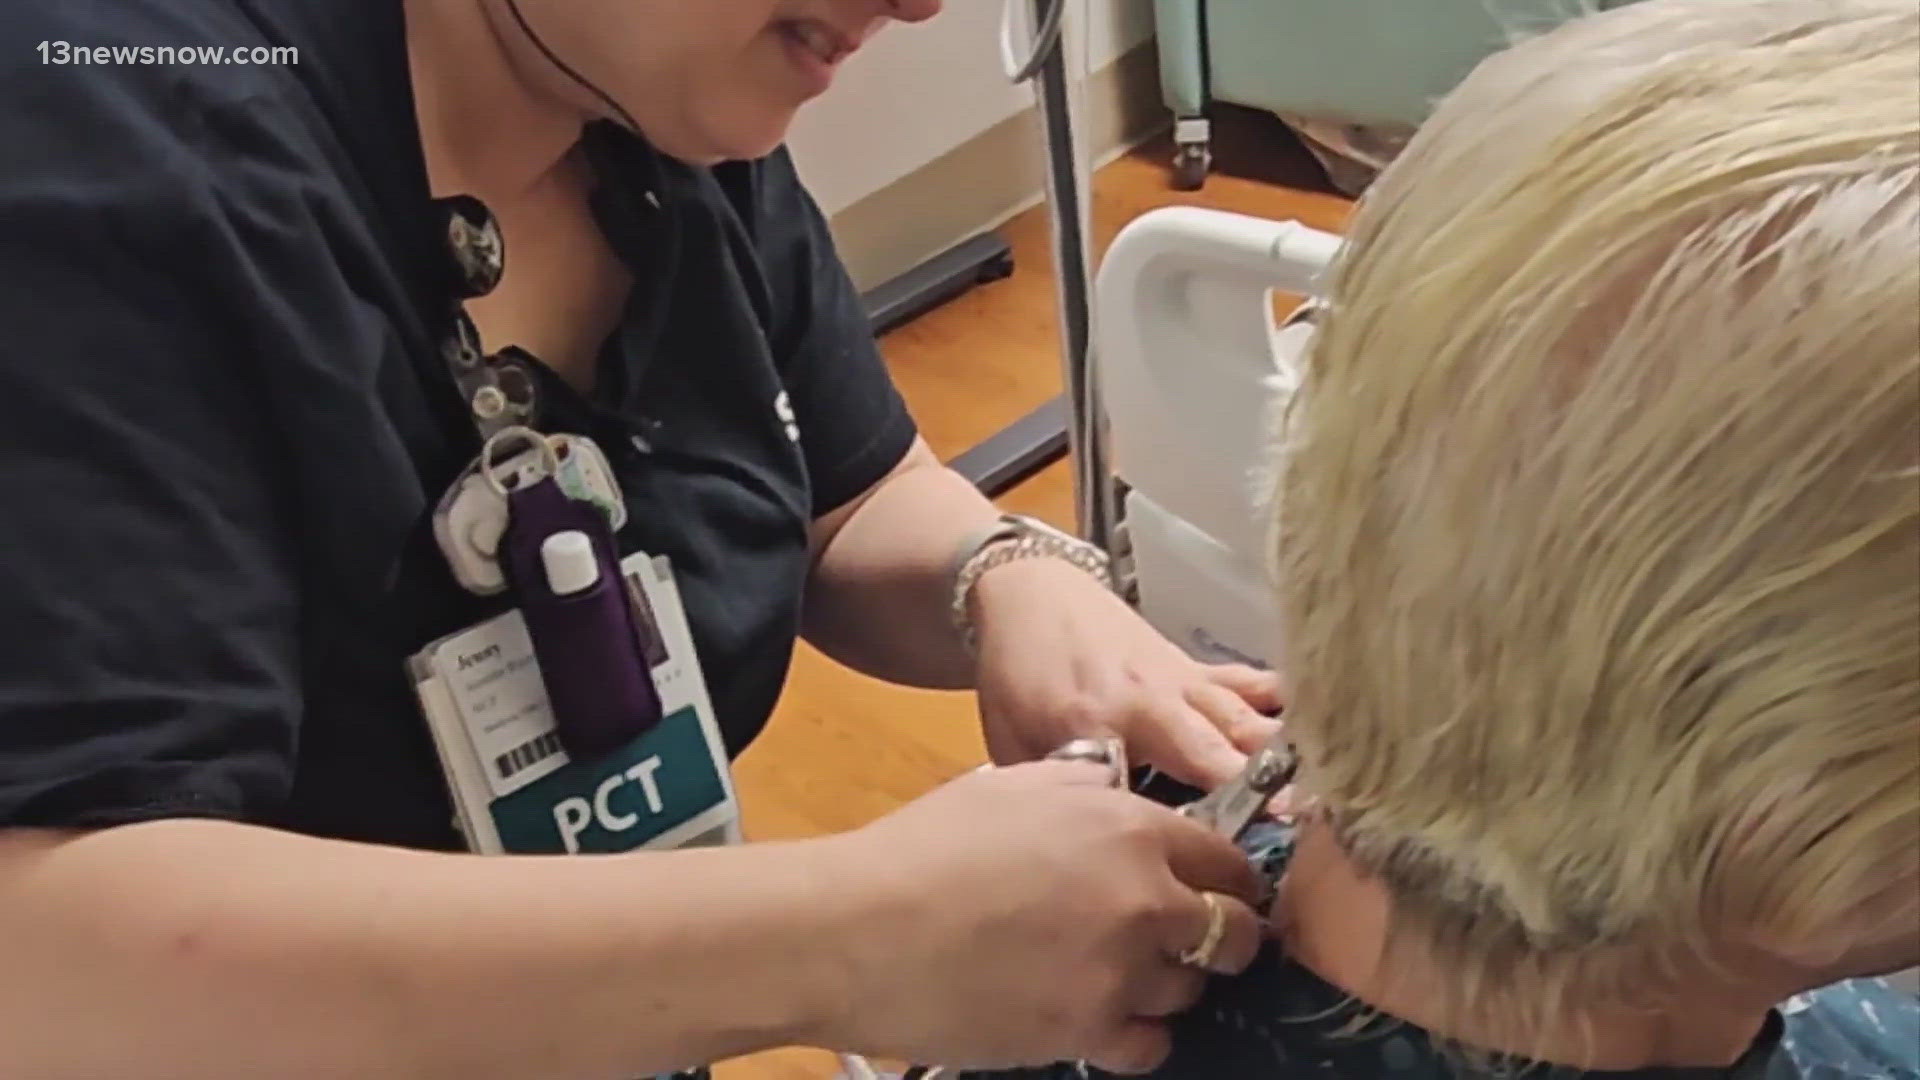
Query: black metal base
x=973, y=262
x=1017, y=451
x=1030, y=443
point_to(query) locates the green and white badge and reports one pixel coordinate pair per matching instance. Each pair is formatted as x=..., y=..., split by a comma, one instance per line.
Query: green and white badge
x=515, y=790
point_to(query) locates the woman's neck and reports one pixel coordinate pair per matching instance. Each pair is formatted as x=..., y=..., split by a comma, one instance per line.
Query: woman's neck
x=486, y=130
x=1334, y=921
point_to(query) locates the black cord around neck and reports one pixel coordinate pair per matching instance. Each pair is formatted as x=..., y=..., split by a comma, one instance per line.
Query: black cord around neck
x=566, y=69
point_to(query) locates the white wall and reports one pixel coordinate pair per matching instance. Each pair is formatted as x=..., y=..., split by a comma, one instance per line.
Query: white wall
x=1116, y=26
x=916, y=92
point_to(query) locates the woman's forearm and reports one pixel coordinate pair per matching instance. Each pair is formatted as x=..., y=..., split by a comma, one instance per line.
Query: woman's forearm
x=881, y=596
x=207, y=949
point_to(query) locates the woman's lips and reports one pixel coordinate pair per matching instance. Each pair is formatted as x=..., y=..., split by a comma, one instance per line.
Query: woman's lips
x=823, y=42
x=816, y=50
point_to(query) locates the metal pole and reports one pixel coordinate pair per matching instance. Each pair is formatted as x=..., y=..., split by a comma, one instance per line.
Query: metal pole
x=1093, y=490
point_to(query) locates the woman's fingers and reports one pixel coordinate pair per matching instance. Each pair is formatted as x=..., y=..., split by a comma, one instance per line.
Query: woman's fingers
x=1173, y=990
x=1183, y=742
x=1227, y=950
x=1202, y=861
x=1262, y=690
x=1244, y=727
x=1057, y=771
x=1195, y=723
x=1133, y=1048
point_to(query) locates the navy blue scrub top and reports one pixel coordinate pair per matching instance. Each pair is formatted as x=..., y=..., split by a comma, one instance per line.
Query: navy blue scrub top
x=225, y=417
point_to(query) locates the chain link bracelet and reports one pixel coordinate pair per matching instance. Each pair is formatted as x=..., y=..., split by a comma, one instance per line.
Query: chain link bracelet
x=1013, y=539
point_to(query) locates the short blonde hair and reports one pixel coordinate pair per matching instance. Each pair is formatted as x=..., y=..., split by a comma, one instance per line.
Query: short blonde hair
x=1598, y=510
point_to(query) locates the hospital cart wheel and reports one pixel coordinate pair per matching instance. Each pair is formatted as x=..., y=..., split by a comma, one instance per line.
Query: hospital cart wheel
x=1191, y=163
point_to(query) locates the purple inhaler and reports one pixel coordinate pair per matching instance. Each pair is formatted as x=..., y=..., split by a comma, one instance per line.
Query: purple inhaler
x=559, y=555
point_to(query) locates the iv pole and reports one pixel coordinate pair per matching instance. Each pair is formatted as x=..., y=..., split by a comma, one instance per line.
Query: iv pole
x=1048, y=69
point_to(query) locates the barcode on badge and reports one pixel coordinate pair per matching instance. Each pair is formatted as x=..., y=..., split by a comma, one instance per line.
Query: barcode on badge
x=527, y=755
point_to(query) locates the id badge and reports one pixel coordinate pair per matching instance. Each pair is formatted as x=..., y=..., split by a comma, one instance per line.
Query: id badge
x=516, y=790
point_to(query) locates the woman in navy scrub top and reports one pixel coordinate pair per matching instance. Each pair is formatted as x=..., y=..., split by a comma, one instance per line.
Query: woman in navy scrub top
x=225, y=843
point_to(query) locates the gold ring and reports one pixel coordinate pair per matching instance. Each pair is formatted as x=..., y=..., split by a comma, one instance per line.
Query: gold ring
x=1201, y=955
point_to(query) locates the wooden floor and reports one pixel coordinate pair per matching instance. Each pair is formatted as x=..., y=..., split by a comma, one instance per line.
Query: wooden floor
x=843, y=749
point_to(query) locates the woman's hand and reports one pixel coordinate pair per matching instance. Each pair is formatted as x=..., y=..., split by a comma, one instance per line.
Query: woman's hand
x=1030, y=915
x=1061, y=657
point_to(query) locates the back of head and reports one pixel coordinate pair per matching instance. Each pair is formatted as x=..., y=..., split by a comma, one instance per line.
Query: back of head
x=1598, y=512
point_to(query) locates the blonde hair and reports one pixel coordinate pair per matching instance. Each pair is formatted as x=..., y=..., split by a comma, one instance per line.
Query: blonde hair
x=1597, y=522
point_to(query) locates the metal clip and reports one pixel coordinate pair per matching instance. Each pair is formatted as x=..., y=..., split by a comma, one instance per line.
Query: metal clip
x=1230, y=809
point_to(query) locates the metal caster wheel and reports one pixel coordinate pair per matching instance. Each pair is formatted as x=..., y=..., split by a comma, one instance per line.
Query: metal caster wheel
x=1191, y=163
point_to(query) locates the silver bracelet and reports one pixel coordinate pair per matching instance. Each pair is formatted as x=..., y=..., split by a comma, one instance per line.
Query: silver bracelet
x=1016, y=537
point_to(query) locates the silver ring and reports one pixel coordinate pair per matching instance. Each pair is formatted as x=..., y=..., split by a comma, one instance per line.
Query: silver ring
x=1201, y=955
x=1108, y=751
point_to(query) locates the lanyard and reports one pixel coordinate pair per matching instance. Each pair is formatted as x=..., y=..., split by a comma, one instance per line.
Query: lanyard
x=556, y=550
x=498, y=388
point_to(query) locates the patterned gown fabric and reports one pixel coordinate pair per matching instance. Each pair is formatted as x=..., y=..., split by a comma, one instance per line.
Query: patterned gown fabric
x=1279, y=1021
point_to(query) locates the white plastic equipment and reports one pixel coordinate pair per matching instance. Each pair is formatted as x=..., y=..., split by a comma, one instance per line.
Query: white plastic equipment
x=1191, y=362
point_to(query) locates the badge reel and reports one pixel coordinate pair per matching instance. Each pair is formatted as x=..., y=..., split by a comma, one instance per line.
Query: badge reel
x=472, y=516
x=541, y=524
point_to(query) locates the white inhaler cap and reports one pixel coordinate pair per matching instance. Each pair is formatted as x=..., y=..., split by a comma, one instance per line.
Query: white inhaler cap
x=570, y=563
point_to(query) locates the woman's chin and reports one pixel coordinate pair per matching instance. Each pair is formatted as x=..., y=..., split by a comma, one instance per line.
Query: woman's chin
x=712, y=143
x=757, y=140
